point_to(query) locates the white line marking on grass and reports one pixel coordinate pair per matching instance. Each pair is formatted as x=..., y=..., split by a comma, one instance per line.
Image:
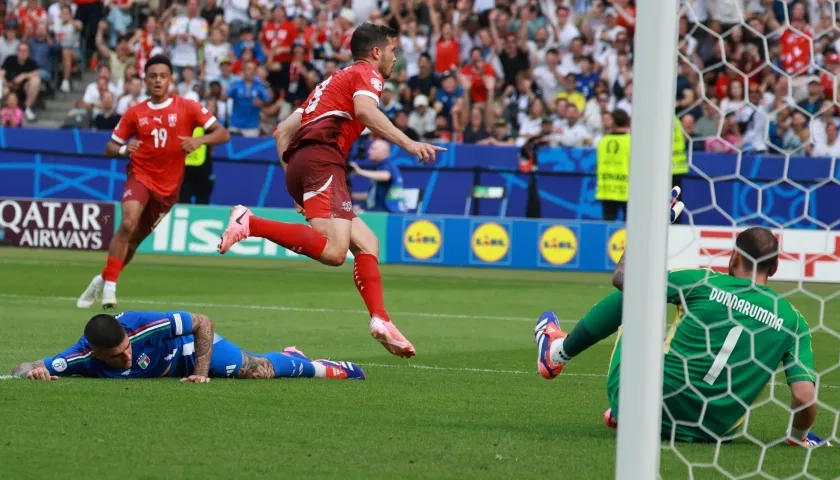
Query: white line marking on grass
x=7, y=377
x=281, y=308
x=515, y=372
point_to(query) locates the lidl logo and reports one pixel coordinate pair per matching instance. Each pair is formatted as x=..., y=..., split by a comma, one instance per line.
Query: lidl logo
x=422, y=239
x=490, y=242
x=616, y=244
x=558, y=245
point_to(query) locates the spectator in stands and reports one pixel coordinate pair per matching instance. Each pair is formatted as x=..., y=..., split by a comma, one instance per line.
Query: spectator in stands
x=530, y=125
x=214, y=52
x=422, y=119
x=213, y=14
x=426, y=82
x=44, y=50
x=121, y=56
x=248, y=95
x=476, y=130
x=831, y=146
x=93, y=92
x=297, y=77
x=277, y=37
x=586, y=78
x=188, y=81
x=548, y=76
x=814, y=102
x=187, y=34
x=626, y=103
x=227, y=76
x=401, y=122
x=30, y=15
x=132, y=96
x=388, y=102
x=576, y=133
x=501, y=135
x=54, y=11
x=413, y=45
x=23, y=77
x=9, y=41
x=68, y=36
x=89, y=12
x=448, y=96
x=479, y=77
x=11, y=115
x=514, y=59
x=107, y=118
x=119, y=18
x=247, y=42
x=729, y=139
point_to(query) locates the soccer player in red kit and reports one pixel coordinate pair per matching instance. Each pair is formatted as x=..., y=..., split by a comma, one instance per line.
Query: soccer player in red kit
x=313, y=144
x=162, y=128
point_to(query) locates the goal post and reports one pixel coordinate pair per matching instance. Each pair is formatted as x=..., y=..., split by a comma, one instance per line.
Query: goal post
x=640, y=396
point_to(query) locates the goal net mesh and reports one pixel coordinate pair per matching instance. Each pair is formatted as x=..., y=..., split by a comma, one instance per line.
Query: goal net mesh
x=757, y=100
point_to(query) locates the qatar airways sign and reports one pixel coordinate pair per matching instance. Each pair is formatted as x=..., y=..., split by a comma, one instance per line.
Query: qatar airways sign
x=804, y=255
x=56, y=224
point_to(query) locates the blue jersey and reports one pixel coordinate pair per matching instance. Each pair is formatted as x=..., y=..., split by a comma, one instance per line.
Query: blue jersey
x=386, y=196
x=161, y=346
x=245, y=114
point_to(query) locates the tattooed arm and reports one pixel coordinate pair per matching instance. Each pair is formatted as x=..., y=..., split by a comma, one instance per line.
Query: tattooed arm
x=33, y=371
x=203, y=337
x=254, y=368
x=618, y=274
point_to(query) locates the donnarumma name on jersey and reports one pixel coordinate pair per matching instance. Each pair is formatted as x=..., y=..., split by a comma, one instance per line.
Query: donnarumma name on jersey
x=745, y=307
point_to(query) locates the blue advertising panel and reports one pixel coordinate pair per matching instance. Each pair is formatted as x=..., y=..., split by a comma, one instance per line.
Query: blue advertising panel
x=721, y=189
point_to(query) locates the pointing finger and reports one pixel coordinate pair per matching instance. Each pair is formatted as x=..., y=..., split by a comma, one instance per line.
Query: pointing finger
x=439, y=149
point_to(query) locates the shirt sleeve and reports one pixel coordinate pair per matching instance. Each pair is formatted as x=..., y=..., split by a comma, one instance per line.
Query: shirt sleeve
x=798, y=361
x=180, y=323
x=264, y=95
x=126, y=128
x=76, y=360
x=201, y=116
x=682, y=281
x=367, y=83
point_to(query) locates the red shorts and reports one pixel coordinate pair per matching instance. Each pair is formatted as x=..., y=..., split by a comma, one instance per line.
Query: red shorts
x=316, y=180
x=155, y=206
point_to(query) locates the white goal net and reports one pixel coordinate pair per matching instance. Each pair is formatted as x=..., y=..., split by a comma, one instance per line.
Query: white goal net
x=757, y=98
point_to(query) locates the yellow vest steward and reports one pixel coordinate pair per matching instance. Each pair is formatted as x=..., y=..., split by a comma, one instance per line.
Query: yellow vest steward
x=613, y=167
x=679, y=163
x=199, y=155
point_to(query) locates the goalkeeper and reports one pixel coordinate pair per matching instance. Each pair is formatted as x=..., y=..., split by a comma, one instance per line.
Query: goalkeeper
x=734, y=329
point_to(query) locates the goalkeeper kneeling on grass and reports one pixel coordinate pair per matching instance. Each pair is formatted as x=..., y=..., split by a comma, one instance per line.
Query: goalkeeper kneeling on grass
x=731, y=330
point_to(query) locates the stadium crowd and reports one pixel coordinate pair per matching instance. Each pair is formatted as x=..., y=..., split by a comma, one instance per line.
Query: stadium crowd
x=497, y=72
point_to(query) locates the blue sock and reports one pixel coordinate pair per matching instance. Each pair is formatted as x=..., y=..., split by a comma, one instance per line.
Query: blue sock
x=289, y=366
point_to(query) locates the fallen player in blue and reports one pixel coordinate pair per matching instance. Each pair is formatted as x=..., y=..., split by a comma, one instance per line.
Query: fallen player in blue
x=173, y=344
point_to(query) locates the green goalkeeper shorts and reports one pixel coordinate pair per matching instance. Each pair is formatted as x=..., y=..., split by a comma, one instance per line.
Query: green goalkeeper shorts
x=680, y=431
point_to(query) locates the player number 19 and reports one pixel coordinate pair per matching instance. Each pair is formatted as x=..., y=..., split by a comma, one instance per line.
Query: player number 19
x=316, y=95
x=160, y=135
x=723, y=355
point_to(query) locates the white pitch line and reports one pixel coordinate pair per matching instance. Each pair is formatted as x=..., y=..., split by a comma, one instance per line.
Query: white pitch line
x=516, y=372
x=281, y=308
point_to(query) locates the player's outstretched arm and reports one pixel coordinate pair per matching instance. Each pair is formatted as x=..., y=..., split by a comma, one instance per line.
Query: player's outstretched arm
x=367, y=111
x=284, y=133
x=677, y=208
x=203, y=337
x=33, y=371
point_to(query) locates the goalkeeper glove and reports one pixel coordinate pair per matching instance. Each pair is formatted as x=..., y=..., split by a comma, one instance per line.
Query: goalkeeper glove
x=810, y=441
x=677, y=206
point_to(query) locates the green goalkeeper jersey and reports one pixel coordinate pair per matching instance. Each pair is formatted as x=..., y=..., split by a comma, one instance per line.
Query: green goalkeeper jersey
x=729, y=336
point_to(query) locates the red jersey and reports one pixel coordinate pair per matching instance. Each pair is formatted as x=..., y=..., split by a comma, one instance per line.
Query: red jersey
x=276, y=34
x=447, y=55
x=29, y=19
x=796, y=50
x=478, y=92
x=328, y=112
x=159, y=163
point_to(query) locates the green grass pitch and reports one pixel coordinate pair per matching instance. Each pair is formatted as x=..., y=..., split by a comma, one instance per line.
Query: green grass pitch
x=469, y=405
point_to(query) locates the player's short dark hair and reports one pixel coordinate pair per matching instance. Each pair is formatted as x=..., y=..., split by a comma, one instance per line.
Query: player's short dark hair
x=158, y=60
x=620, y=118
x=759, y=248
x=369, y=36
x=104, y=331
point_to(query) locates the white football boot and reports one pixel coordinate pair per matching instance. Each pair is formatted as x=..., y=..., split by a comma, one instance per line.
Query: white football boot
x=109, y=297
x=91, y=293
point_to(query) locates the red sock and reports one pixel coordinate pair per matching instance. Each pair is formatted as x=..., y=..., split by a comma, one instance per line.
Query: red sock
x=112, y=270
x=296, y=237
x=369, y=282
